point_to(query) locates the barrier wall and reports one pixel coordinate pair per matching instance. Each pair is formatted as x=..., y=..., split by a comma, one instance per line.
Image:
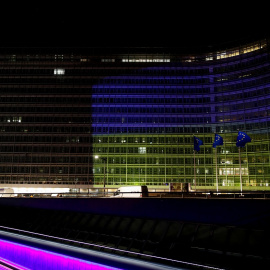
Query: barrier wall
x=254, y=212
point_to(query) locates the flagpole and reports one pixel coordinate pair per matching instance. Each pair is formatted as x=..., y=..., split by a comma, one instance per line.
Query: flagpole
x=242, y=139
x=240, y=170
x=216, y=171
x=194, y=170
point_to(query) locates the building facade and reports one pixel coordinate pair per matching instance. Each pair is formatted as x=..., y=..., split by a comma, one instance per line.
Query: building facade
x=128, y=116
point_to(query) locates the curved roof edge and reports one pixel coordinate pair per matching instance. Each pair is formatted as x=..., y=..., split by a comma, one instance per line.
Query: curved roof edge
x=180, y=51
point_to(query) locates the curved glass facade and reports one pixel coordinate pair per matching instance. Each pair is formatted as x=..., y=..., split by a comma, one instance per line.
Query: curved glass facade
x=138, y=110
x=144, y=120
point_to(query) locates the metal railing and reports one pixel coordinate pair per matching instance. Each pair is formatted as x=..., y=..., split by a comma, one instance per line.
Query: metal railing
x=99, y=193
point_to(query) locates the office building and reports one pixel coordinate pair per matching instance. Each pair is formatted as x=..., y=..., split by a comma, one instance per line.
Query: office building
x=137, y=111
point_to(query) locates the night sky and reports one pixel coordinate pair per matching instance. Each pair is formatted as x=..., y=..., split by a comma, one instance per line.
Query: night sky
x=131, y=24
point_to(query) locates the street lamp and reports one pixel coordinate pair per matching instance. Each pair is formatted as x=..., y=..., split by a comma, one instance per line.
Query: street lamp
x=104, y=178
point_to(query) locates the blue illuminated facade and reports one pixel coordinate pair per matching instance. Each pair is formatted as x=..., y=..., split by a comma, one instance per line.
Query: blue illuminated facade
x=144, y=121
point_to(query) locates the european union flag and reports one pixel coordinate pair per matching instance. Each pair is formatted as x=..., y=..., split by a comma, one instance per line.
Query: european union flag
x=197, y=143
x=242, y=139
x=218, y=141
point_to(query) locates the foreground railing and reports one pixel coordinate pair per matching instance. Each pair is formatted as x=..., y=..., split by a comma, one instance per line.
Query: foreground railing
x=73, y=248
x=157, y=194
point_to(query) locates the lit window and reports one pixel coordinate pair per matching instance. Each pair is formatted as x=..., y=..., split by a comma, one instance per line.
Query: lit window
x=59, y=71
x=145, y=60
x=59, y=57
x=107, y=60
x=17, y=119
x=209, y=58
x=142, y=150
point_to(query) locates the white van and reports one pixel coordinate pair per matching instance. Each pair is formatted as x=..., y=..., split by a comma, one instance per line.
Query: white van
x=131, y=192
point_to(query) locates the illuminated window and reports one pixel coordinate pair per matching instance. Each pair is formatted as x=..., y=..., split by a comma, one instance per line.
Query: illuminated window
x=59, y=71
x=58, y=57
x=17, y=119
x=108, y=60
x=145, y=60
x=142, y=150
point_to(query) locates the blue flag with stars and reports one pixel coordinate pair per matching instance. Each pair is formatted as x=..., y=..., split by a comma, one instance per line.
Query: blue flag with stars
x=197, y=143
x=218, y=141
x=242, y=139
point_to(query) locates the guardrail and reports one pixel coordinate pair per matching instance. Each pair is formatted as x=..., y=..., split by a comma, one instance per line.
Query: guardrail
x=96, y=252
x=101, y=194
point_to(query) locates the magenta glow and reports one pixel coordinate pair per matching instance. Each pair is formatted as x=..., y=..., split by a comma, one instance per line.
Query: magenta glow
x=34, y=258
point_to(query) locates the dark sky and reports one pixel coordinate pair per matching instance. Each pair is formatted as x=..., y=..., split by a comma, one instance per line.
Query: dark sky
x=129, y=24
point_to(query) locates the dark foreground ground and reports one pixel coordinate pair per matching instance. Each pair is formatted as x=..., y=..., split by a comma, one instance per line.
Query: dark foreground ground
x=216, y=232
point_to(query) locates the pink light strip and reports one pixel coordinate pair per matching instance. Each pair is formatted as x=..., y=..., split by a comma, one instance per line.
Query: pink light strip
x=9, y=263
x=90, y=244
x=38, y=259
